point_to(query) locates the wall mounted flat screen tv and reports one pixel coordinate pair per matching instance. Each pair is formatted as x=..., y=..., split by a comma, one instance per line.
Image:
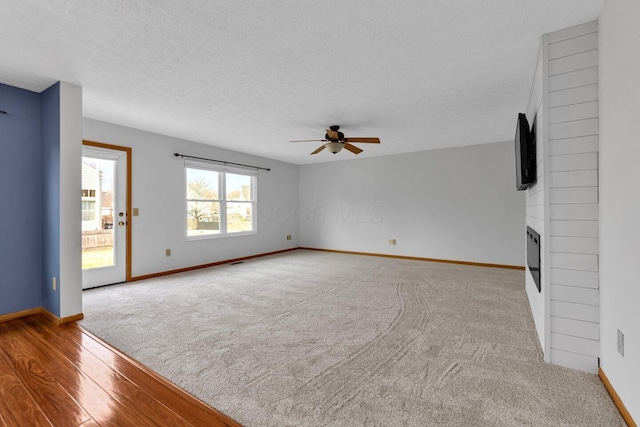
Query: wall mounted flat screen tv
x=525, y=143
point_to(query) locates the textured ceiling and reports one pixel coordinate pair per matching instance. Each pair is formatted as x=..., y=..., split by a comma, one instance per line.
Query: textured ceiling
x=249, y=76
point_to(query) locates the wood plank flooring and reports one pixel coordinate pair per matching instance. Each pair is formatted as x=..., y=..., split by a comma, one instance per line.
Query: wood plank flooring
x=61, y=375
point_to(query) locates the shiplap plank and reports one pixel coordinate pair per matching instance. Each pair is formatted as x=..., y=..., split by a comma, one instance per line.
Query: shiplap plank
x=585, y=279
x=575, y=344
x=569, y=310
x=576, y=328
x=536, y=223
x=573, y=195
x=574, y=245
x=574, y=95
x=573, y=129
x=574, y=45
x=573, y=162
x=535, y=211
x=583, y=144
x=587, y=76
x=574, y=361
x=575, y=62
x=539, y=137
x=574, y=228
x=572, y=32
x=582, y=262
x=575, y=294
x=535, y=199
x=580, y=212
x=539, y=175
x=583, y=178
x=573, y=112
x=536, y=186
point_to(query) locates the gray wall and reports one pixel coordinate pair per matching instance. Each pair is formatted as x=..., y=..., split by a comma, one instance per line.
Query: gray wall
x=457, y=204
x=21, y=182
x=619, y=198
x=158, y=192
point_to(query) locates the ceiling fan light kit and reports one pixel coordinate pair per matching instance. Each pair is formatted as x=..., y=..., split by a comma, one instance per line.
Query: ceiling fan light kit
x=335, y=141
x=334, y=147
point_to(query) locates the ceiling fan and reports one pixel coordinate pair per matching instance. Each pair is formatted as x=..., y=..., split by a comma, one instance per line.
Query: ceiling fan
x=335, y=141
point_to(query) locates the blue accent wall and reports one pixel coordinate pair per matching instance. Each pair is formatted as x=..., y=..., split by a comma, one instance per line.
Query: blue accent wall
x=21, y=189
x=50, y=112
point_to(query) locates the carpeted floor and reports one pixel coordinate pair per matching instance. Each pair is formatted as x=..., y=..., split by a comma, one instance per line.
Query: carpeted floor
x=309, y=338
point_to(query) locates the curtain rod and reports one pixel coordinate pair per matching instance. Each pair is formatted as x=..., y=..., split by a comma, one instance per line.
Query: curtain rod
x=184, y=156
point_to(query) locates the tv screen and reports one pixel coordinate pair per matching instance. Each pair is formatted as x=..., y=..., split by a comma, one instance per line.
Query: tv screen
x=525, y=143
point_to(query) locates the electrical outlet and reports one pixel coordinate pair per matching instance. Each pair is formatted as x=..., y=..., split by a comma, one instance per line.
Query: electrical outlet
x=288, y=236
x=167, y=252
x=55, y=283
x=620, y=342
x=392, y=241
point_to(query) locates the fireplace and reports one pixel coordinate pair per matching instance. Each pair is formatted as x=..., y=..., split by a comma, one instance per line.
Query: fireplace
x=533, y=255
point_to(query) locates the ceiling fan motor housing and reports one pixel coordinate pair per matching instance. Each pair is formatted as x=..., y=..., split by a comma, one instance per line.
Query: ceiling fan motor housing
x=338, y=139
x=334, y=141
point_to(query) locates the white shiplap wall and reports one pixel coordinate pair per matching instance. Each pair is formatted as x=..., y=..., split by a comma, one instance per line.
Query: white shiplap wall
x=572, y=163
x=563, y=205
x=535, y=206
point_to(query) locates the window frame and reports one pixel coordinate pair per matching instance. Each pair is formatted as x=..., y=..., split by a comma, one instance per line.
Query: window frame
x=222, y=172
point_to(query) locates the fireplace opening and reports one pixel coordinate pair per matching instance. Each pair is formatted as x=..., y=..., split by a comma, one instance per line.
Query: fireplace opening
x=533, y=256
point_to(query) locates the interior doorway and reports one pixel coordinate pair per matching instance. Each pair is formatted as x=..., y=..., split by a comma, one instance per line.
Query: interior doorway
x=106, y=212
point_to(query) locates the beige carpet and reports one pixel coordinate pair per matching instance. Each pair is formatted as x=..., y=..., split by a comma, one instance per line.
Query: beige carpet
x=311, y=338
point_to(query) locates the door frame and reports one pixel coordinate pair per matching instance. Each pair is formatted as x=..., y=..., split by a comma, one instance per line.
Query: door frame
x=128, y=193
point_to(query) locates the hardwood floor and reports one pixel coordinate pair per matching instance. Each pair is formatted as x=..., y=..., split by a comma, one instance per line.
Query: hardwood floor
x=65, y=376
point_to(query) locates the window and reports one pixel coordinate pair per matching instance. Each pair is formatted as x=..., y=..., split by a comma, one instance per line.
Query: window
x=219, y=201
x=88, y=211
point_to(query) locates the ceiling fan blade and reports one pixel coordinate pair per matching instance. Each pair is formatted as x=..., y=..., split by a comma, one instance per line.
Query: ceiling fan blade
x=369, y=140
x=310, y=140
x=318, y=150
x=352, y=148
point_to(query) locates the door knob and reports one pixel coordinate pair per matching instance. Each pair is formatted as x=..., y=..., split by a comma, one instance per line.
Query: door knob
x=121, y=223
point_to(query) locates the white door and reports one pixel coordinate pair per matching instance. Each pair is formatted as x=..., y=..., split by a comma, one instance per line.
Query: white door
x=104, y=216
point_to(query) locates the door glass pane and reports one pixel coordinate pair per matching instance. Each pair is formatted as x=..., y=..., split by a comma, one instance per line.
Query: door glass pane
x=97, y=212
